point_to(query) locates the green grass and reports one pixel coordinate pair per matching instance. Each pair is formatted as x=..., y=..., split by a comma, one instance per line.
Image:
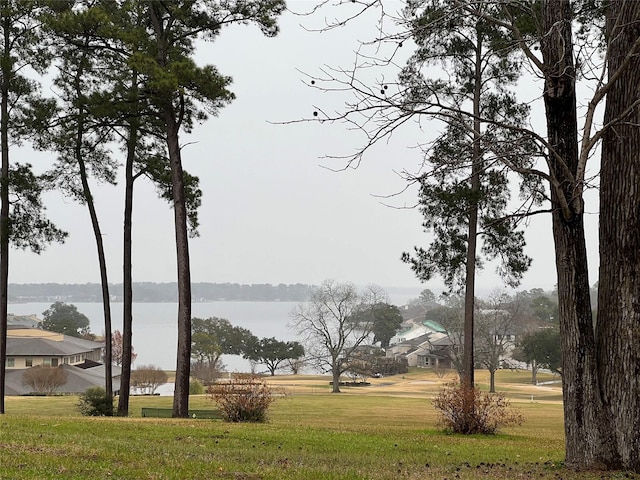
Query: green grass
x=309, y=436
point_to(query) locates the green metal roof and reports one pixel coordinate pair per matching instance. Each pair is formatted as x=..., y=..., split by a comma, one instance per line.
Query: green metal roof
x=435, y=326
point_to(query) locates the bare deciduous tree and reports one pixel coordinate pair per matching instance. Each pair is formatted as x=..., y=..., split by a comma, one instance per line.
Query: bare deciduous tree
x=44, y=380
x=148, y=378
x=327, y=328
x=495, y=334
x=117, y=348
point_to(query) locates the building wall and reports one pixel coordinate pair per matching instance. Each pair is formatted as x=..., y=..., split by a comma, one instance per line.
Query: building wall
x=18, y=362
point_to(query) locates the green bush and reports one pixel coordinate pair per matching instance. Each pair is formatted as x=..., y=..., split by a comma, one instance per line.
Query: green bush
x=470, y=411
x=95, y=403
x=245, y=398
x=195, y=388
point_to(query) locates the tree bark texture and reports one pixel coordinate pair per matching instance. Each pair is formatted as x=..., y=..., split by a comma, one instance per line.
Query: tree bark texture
x=588, y=438
x=619, y=283
x=127, y=280
x=4, y=199
x=171, y=120
x=335, y=379
x=183, y=364
x=472, y=233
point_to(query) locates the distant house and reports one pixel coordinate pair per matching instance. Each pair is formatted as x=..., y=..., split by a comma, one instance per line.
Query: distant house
x=418, y=329
x=81, y=359
x=424, y=344
x=23, y=320
x=440, y=353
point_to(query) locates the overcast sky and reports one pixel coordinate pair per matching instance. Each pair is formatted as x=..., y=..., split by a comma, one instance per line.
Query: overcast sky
x=271, y=213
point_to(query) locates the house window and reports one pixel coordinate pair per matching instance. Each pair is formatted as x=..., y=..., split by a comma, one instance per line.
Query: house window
x=11, y=362
x=46, y=362
x=54, y=362
x=66, y=360
x=28, y=362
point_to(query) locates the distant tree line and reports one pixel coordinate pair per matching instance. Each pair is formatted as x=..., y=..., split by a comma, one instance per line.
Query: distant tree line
x=159, y=292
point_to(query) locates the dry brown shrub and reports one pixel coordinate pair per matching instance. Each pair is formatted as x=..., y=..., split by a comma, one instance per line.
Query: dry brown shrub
x=471, y=411
x=44, y=380
x=244, y=398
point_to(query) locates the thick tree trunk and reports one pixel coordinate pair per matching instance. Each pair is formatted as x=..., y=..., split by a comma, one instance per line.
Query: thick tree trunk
x=4, y=201
x=587, y=438
x=171, y=120
x=335, y=380
x=618, y=329
x=183, y=365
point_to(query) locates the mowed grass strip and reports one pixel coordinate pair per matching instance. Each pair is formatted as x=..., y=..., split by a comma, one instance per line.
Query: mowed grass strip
x=309, y=436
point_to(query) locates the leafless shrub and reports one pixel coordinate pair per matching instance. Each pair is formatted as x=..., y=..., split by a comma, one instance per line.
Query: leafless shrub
x=44, y=380
x=295, y=365
x=244, y=398
x=470, y=411
x=148, y=378
x=206, y=372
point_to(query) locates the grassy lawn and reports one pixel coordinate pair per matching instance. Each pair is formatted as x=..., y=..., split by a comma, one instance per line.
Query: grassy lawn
x=386, y=431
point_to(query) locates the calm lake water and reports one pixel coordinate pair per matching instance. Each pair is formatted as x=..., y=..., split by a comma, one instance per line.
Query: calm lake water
x=155, y=333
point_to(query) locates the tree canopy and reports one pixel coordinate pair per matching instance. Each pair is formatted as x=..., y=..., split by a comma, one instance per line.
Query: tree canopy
x=543, y=348
x=65, y=318
x=213, y=336
x=272, y=353
x=387, y=320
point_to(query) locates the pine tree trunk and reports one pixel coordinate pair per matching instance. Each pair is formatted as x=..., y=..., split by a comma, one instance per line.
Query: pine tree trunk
x=169, y=114
x=4, y=201
x=618, y=330
x=587, y=438
x=468, y=362
x=88, y=198
x=183, y=365
x=127, y=281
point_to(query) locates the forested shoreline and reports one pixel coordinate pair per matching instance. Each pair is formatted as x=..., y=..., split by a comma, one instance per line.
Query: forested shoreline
x=159, y=292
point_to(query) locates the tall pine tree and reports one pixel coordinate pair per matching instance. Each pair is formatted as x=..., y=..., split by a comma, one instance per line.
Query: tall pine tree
x=465, y=191
x=23, y=113
x=181, y=92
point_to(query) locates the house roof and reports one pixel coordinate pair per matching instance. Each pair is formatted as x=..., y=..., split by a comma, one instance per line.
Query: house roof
x=38, y=347
x=418, y=340
x=78, y=380
x=23, y=320
x=435, y=326
x=444, y=341
x=418, y=329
